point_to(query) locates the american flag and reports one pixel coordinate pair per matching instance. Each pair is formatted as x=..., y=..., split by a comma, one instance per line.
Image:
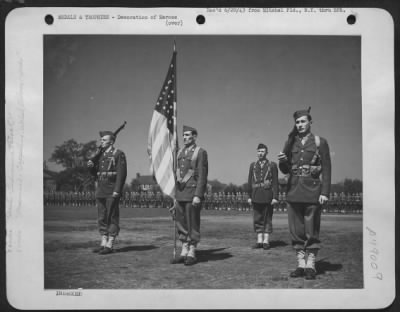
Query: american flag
x=162, y=140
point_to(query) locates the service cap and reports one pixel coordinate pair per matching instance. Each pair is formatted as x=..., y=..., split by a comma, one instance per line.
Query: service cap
x=187, y=128
x=103, y=133
x=303, y=112
x=261, y=145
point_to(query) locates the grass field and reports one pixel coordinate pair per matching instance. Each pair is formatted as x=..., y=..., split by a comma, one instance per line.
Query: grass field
x=226, y=260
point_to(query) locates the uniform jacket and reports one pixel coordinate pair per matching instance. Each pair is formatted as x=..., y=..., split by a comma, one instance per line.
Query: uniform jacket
x=263, y=194
x=307, y=189
x=197, y=184
x=110, y=171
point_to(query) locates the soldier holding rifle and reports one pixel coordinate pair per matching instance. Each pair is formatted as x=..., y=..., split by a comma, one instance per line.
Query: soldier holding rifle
x=108, y=165
x=305, y=158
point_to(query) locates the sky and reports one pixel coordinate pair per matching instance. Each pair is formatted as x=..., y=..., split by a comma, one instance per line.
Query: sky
x=237, y=91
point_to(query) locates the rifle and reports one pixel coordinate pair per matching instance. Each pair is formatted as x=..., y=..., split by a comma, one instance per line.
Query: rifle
x=289, y=143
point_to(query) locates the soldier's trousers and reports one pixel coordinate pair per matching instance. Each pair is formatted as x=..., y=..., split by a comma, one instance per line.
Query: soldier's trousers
x=188, y=222
x=304, y=225
x=108, y=215
x=262, y=217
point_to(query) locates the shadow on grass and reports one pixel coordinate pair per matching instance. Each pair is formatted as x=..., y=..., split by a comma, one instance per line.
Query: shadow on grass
x=277, y=243
x=323, y=266
x=135, y=248
x=212, y=255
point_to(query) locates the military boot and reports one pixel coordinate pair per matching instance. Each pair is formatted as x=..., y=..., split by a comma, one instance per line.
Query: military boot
x=310, y=271
x=266, y=241
x=191, y=257
x=109, y=246
x=301, y=264
x=259, y=243
x=184, y=253
x=103, y=244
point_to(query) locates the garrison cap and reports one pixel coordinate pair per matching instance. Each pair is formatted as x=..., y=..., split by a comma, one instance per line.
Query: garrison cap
x=103, y=133
x=187, y=128
x=303, y=112
x=261, y=145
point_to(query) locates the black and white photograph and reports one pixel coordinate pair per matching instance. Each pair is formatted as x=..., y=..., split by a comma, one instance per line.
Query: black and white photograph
x=216, y=161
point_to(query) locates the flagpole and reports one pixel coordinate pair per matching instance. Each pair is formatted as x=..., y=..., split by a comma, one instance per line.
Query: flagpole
x=176, y=146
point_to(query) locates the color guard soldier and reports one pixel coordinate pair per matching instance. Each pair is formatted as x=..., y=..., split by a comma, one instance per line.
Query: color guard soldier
x=305, y=157
x=191, y=185
x=263, y=195
x=110, y=170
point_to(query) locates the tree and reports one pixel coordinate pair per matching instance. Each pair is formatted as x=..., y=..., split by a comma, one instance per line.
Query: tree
x=72, y=156
x=352, y=186
x=217, y=186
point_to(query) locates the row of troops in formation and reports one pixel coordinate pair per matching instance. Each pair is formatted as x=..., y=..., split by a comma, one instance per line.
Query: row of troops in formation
x=305, y=158
x=337, y=203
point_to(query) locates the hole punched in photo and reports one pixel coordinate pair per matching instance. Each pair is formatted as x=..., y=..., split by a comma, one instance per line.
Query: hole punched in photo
x=351, y=19
x=200, y=19
x=49, y=19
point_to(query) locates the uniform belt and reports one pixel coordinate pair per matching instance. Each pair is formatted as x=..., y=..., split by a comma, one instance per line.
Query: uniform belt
x=254, y=185
x=106, y=175
x=302, y=171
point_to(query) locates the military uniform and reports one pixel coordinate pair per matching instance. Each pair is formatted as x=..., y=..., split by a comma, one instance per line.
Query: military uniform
x=192, y=172
x=110, y=171
x=263, y=187
x=305, y=164
x=189, y=227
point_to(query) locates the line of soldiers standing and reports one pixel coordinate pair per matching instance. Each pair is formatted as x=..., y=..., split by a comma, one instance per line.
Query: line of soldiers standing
x=337, y=203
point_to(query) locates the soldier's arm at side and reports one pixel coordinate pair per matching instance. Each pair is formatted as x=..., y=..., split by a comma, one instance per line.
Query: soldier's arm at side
x=326, y=167
x=121, y=172
x=202, y=166
x=274, y=171
x=250, y=180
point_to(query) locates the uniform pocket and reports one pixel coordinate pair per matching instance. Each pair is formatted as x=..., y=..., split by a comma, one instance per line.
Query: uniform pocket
x=310, y=182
